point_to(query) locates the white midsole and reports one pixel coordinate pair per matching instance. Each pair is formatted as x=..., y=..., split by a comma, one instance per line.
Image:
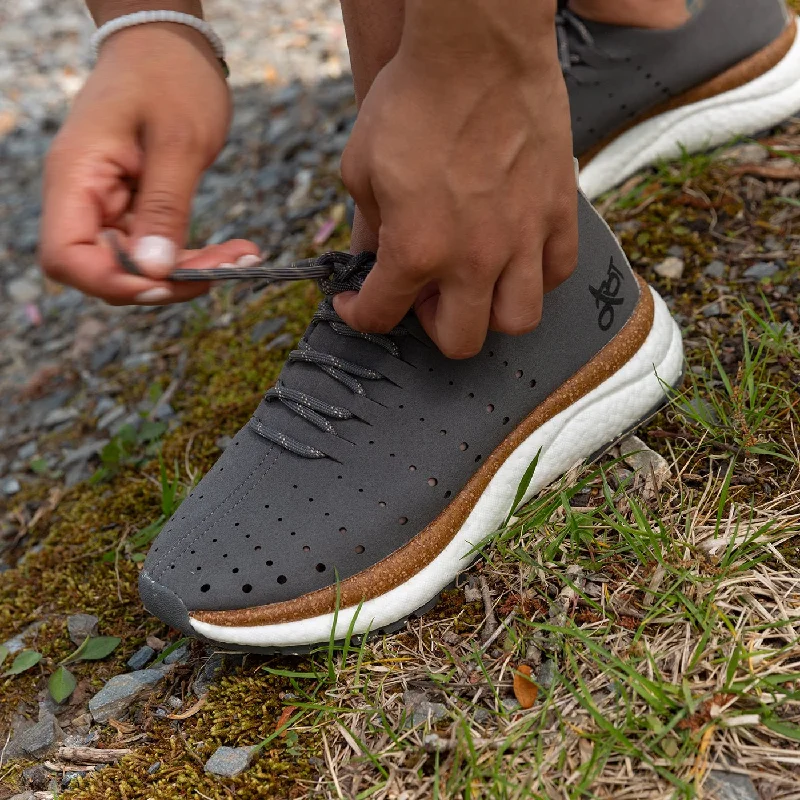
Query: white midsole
x=759, y=105
x=587, y=426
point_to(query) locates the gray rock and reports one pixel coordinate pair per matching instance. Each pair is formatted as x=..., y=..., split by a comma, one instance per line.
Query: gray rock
x=27, y=451
x=722, y=785
x=716, y=269
x=141, y=658
x=60, y=415
x=671, y=268
x=38, y=739
x=83, y=452
x=110, y=417
x=154, y=767
x=23, y=796
x=36, y=777
x=284, y=340
x=228, y=762
x=79, y=626
x=761, y=270
x=68, y=778
x=746, y=154
x=10, y=486
x=547, y=674
x=23, y=290
x=267, y=327
x=510, y=704
x=177, y=656
x=121, y=691
x=105, y=354
x=419, y=709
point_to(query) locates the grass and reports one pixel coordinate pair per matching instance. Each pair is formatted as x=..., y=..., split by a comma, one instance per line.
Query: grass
x=660, y=617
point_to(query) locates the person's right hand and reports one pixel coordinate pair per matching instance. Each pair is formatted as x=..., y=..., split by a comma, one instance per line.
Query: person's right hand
x=151, y=118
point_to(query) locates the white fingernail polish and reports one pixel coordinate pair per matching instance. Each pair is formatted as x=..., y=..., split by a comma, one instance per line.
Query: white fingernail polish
x=155, y=251
x=158, y=294
x=248, y=261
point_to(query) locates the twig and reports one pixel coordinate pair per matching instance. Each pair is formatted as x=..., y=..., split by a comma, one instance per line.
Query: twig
x=92, y=755
x=490, y=623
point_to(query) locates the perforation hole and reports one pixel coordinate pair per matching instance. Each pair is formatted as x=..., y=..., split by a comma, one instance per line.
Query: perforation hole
x=533, y=383
x=320, y=568
x=382, y=504
x=269, y=563
x=267, y=505
x=235, y=570
x=432, y=481
x=235, y=524
x=463, y=446
x=224, y=555
x=412, y=468
x=214, y=540
x=443, y=432
x=518, y=374
x=450, y=383
x=471, y=395
x=491, y=353
x=401, y=406
x=422, y=419
x=506, y=420
x=295, y=486
x=360, y=549
x=293, y=533
x=199, y=569
x=204, y=588
x=477, y=459
x=282, y=579
x=191, y=552
x=448, y=493
x=257, y=548
x=247, y=588
x=403, y=520
x=306, y=548
x=172, y=566
x=490, y=408
x=310, y=499
x=505, y=363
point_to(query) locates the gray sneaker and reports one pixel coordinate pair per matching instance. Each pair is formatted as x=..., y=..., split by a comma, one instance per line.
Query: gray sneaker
x=639, y=96
x=371, y=471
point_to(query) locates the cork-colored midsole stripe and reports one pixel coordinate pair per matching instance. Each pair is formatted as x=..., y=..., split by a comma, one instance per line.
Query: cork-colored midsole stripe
x=742, y=73
x=401, y=565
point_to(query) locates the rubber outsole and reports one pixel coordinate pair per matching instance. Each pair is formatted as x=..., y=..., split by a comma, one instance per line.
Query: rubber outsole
x=747, y=110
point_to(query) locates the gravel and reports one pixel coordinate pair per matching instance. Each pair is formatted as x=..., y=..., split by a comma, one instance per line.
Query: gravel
x=122, y=691
x=228, y=762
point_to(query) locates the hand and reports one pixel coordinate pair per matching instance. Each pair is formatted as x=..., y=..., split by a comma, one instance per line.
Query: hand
x=152, y=116
x=464, y=169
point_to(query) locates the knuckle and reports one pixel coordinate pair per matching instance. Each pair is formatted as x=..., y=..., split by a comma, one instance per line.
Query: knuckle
x=162, y=204
x=519, y=326
x=177, y=137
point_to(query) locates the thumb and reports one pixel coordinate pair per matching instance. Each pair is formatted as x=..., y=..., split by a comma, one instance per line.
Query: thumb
x=163, y=205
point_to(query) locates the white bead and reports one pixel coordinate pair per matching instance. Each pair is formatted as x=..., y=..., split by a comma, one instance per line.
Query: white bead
x=143, y=17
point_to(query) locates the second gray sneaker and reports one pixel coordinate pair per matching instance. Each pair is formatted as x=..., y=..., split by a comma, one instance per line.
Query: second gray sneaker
x=639, y=96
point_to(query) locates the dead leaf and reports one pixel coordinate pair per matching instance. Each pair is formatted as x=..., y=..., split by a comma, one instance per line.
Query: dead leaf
x=285, y=716
x=525, y=690
x=190, y=712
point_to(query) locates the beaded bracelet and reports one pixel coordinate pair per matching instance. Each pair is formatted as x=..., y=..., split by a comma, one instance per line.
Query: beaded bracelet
x=143, y=17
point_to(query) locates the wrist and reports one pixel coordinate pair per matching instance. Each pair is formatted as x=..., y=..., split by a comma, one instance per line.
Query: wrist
x=103, y=11
x=516, y=36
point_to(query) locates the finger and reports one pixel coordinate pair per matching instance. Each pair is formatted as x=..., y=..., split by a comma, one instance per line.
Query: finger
x=170, y=175
x=457, y=318
x=388, y=293
x=517, y=302
x=560, y=254
x=357, y=182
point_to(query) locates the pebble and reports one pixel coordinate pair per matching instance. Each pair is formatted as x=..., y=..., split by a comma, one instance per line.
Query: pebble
x=121, y=691
x=38, y=739
x=713, y=310
x=716, y=269
x=177, y=656
x=746, y=154
x=154, y=767
x=267, y=327
x=79, y=626
x=723, y=785
x=228, y=762
x=279, y=342
x=105, y=354
x=58, y=416
x=141, y=658
x=671, y=268
x=761, y=270
x=547, y=674
x=419, y=709
x=23, y=290
x=10, y=486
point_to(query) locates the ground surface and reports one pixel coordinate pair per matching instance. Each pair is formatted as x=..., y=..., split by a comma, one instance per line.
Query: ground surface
x=659, y=615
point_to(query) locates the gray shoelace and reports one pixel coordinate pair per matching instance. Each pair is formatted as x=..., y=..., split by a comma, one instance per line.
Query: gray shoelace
x=335, y=272
x=569, y=27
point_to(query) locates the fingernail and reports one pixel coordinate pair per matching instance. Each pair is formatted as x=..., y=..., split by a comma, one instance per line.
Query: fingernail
x=248, y=261
x=158, y=294
x=157, y=252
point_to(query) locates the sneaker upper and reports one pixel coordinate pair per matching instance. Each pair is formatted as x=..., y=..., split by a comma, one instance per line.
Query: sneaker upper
x=617, y=74
x=366, y=440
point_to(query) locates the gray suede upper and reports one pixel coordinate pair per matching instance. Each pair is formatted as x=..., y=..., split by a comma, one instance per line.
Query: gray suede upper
x=616, y=73
x=267, y=525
